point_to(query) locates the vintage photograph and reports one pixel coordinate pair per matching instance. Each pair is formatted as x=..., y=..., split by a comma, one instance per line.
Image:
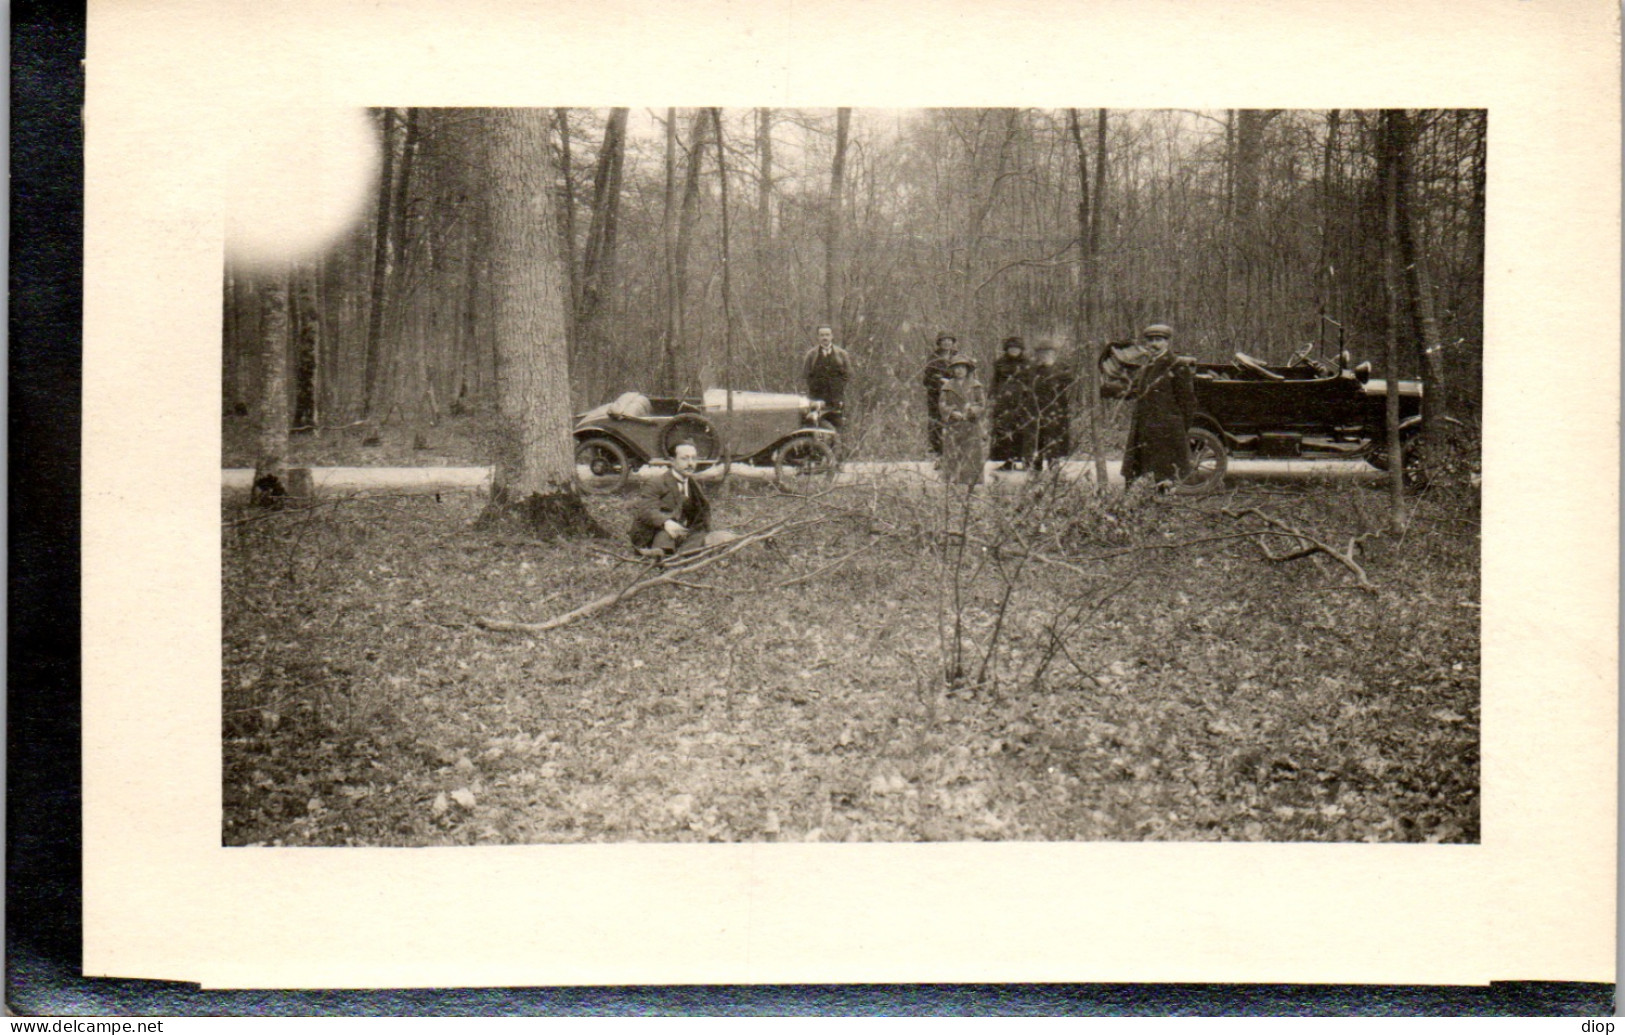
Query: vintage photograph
x=852, y=475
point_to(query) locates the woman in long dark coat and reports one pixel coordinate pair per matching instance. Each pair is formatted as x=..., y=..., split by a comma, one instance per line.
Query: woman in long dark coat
x=1009, y=381
x=964, y=442
x=1049, y=391
x=1164, y=405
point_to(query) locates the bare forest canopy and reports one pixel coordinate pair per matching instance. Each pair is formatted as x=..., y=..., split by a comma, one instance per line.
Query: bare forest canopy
x=704, y=245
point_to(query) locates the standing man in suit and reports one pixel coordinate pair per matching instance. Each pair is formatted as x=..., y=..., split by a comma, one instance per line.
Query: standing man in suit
x=676, y=511
x=826, y=368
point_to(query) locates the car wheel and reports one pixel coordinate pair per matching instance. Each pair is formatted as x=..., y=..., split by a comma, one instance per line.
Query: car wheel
x=804, y=464
x=1410, y=444
x=697, y=432
x=1209, y=461
x=602, y=465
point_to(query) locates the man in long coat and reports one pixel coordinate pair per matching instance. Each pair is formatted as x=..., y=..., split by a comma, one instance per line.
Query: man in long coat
x=1164, y=406
x=1049, y=393
x=675, y=511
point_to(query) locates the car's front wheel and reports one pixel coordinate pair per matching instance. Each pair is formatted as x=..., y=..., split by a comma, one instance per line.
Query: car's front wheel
x=1209, y=461
x=602, y=465
x=804, y=464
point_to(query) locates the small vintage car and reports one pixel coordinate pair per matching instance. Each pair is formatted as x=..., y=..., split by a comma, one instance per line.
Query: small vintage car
x=1310, y=408
x=770, y=429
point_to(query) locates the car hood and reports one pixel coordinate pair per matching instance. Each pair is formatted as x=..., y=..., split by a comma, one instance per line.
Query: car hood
x=1379, y=386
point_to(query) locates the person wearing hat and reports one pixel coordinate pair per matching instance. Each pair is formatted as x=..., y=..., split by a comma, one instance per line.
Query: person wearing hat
x=964, y=442
x=1049, y=408
x=936, y=373
x=1009, y=382
x=1164, y=397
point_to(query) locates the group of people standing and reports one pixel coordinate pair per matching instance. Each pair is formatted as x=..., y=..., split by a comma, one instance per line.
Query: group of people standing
x=1027, y=407
x=1023, y=418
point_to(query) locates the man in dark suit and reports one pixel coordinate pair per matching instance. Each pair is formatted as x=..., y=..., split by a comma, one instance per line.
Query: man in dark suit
x=675, y=511
x=826, y=368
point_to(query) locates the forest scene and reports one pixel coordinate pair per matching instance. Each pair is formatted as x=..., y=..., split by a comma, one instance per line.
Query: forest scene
x=437, y=629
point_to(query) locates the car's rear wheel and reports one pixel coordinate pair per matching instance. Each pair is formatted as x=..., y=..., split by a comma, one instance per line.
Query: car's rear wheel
x=804, y=464
x=602, y=465
x=1415, y=454
x=1209, y=461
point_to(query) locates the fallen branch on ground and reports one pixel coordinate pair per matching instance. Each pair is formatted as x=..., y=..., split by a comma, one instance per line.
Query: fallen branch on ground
x=1311, y=545
x=667, y=573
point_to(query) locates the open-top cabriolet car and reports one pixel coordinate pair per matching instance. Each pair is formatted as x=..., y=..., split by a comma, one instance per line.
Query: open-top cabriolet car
x=1309, y=408
x=769, y=429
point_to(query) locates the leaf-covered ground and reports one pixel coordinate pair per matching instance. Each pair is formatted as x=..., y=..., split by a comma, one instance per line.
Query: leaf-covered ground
x=1132, y=668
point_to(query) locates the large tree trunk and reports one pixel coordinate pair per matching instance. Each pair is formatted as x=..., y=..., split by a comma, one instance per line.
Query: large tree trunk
x=308, y=319
x=380, y=268
x=688, y=219
x=1419, y=290
x=531, y=435
x=1388, y=157
x=567, y=175
x=598, y=267
x=832, y=228
x=271, y=444
x=1089, y=239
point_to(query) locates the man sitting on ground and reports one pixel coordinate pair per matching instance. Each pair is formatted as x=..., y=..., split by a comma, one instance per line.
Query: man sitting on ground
x=676, y=511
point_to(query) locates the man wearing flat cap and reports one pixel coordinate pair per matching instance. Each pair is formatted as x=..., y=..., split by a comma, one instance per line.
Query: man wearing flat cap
x=1164, y=406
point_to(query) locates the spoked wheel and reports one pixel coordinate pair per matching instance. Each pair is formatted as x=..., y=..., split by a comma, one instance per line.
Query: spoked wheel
x=805, y=464
x=602, y=465
x=1209, y=461
x=696, y=431
x=1416, y=475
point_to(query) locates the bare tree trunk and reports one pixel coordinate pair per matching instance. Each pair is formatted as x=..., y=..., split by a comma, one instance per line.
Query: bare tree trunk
x=727, y=285
x=567, y=174
x=380, y=267
x=1388, y=157
x=832, y=228
x=1419, y=290
x=1089, y=239
x=764, y=180
x=1100, y=184
x=598, y=267
x=271, y=446
x=231, y=350
x=534, y=455
x=687, y=218
x=668, y=357
x=308, y=319
x=1323, y=274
